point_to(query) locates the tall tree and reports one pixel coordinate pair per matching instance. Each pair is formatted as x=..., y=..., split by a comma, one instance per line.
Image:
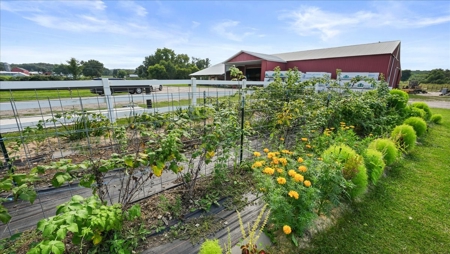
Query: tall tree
x=74, y=67
x=93, y=68
x=122, y=73
x=61, y=69
x=405, y=75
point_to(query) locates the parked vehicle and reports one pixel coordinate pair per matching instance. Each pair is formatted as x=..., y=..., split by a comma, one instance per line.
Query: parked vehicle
x=125, y=89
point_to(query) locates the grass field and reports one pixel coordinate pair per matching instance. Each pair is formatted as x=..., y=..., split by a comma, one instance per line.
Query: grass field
x=43, y=94
x=407, y=212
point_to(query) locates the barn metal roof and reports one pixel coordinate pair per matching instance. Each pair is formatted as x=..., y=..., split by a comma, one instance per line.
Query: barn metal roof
x=215, y=70
x=267, y=57
x=378, y=48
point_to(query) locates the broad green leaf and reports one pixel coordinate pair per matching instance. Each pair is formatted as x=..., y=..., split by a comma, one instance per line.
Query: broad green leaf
x=77, y=198
x=41, y=224
x=61, y=232
x=28, y=194
x=96, y=239
x=73, y=227
x=35, y=250
x=4, y=216
x=129, y=161
x=57, y=247
x=19, y=178
x=60, y=178
x=6, y=184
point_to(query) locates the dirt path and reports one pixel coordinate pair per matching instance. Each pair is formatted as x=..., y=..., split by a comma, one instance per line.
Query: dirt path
x=434, y=100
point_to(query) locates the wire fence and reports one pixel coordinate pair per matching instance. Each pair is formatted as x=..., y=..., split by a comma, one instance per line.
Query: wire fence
x=38, y=127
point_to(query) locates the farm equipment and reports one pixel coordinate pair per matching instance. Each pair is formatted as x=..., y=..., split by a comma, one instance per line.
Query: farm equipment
x=413, y=87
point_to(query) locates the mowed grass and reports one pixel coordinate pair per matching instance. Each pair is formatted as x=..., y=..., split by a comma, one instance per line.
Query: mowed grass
x=407, y=212
x=27, y=95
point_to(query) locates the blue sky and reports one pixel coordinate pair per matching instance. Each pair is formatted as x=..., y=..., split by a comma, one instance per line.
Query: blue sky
x=121, y=33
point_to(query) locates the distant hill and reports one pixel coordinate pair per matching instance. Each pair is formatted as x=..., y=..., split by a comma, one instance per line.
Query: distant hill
x=41, y=67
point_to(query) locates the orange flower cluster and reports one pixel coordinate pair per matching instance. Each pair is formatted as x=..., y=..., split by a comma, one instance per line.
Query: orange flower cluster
x=293, y=194
x=269, y=171
x=287, y=230
x=281, y=180
x=299, y=178
x=307, y=183
x=302, y=169
x=256, y=154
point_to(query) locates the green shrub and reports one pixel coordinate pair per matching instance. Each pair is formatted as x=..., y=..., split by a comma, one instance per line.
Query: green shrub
x=419, y=125
x=424, y=106
x=211, y=247
x=398, y=99
x=436, y=118
x=353, y=167
x=387, y=148
x=404, y=136
x=413, y=111
x=375, y=165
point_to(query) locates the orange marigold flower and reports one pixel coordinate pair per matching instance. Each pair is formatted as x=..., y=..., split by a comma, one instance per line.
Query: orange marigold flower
x=287, y=230
x=281, y=180
x=307, y=183
x=292, y=173
x=277, y=153
x=304, y=139
x=308, y=146
x=283, y=161
x=300, y=160
x=256, y=154
x=280, y=170
x=257, y=164
x=302, y=168
x=269, y=171
x=270, y=155
x=293, y=194
x=351, y=126
x=285, y=151
x=282, y=139
x=266, y=150
x=298, y=178
x=275, y=161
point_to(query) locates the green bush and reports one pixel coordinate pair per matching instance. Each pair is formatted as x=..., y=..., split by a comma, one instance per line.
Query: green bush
x=404, y=136
x=211, y=247
x=436, y=118
x=375, y=165
x=398, y=99
x=419, y=125
x=424, y=106
x=387, y=148
x=413, y=111
x=354, y=168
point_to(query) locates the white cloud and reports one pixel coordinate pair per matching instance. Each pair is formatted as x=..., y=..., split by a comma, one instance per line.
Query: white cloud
x=195, y=24
x=133, y=7
x=309, y=20
x=232, y=30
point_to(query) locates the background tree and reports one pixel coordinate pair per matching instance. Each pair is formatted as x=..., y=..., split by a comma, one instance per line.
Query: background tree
x=438, y=76
x=122, y=73
x=405, y=75
x=93, y=68
x=201, y=63
x=74, y=67
x=175, y=66
x=61, y=69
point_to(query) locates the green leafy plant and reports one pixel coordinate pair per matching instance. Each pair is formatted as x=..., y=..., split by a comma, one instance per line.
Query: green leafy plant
x=424, y=106
x=404, y=136
x=419, y=125
x=375, y=165
x=436, y=118
x=398, y=99
x=210, y=247
x=387, y=148
x=352, y=164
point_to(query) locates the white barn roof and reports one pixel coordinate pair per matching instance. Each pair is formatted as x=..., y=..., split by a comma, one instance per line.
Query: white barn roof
x=215, y=70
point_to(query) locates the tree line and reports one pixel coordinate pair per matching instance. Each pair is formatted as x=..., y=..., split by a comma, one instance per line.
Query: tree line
x=435, y=76
x=163, y=64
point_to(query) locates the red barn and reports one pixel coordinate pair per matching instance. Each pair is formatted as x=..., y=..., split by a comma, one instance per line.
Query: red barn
x=381, y=57
x=17, y=69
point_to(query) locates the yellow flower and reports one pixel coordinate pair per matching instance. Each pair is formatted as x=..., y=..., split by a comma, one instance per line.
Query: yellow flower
x=302, y=168
x=285, y=151
x=210, y=154
x=281, y=180
x=307, y=183
x=309, y=155
x=319, y=159
x=277, y=153
x=347, y=128
x=280, y=170
x=262, y=189
x=257, y=164
x=342, y=123
x=292, y=173
x=332, y=128
x=282, y=139
x=256, y=154
x=298, y=178
x=300, y=159
x=275, y=160
x=270, y=155
x=313, y=131
x=266, y=150
x=371, y=134
x=283, y=161
x=304, y=139
x=287, y=230
x=269, y=171
x=293, y=194
x=308, y=146
x=351, y=126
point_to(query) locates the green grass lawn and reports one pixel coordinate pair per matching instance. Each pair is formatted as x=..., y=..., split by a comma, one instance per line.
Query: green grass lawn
x=407, y=212
x=44, y=94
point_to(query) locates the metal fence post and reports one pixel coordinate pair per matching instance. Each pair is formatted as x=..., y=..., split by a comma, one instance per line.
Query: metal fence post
x=5, y=152
x=241, y=154
x=194, y=92
x=109, y=102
